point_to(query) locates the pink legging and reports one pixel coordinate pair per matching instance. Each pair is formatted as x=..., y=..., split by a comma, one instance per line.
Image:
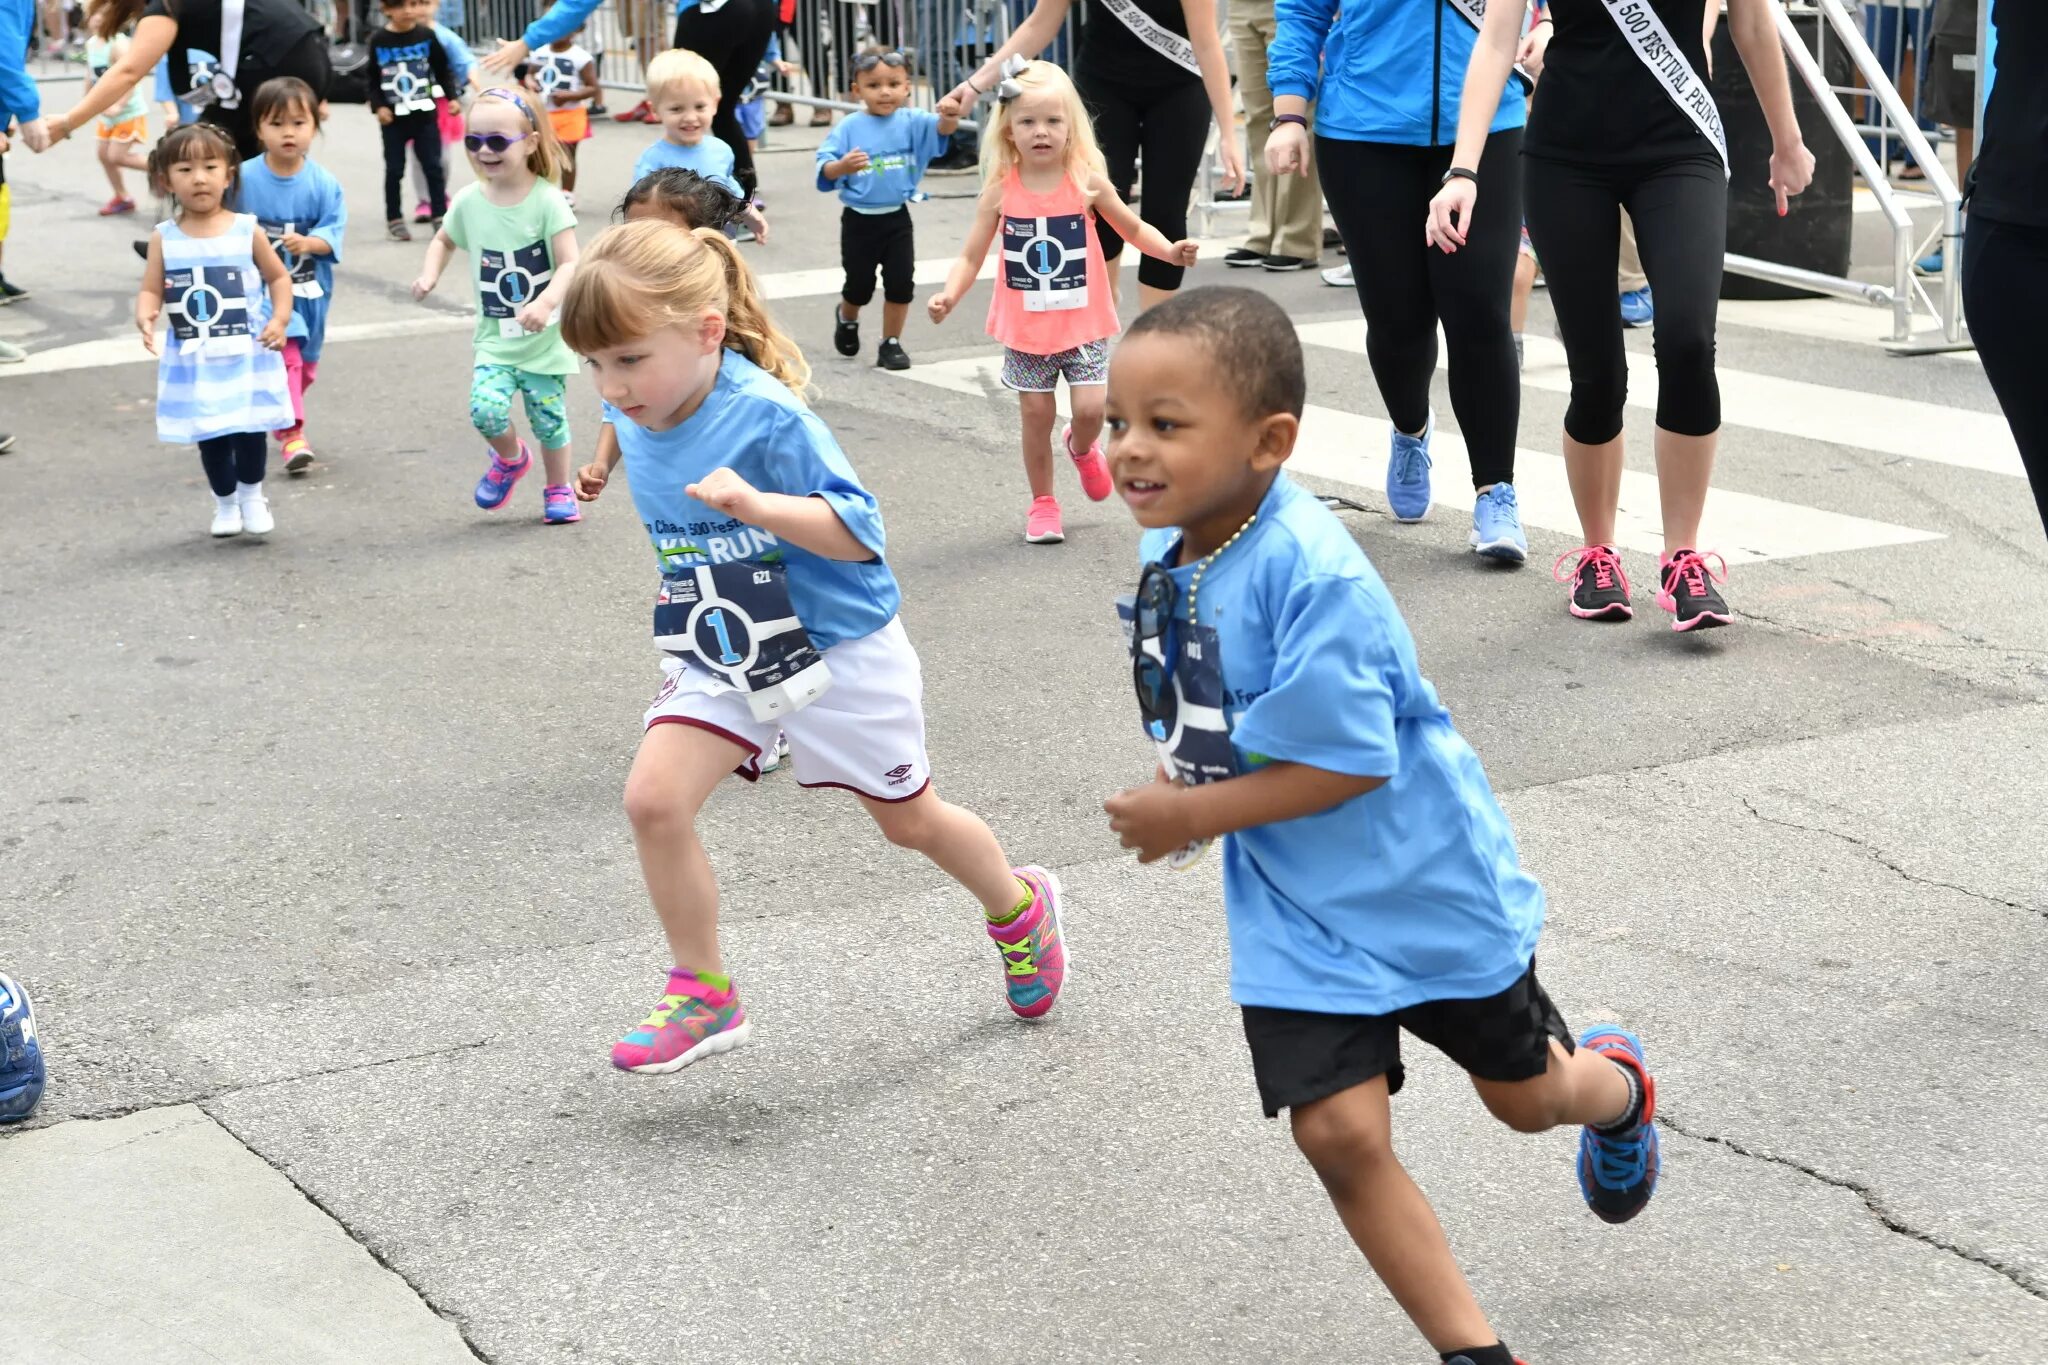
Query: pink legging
x=299, y=374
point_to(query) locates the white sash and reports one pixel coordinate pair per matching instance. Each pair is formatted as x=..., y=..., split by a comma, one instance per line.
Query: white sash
x=1651, y=41
x=1473, y=12
x=1165, y=42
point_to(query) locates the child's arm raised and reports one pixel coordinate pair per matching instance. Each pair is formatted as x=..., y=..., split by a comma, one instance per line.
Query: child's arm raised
x=279, y=281
x=149, y=301
x=807, y=522
x=438, y=251
x=536, y=315
x=1158, y=819
x=1134, y=229
x=960, y=278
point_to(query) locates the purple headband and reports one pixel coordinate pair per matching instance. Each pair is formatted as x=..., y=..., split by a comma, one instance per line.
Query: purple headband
x=515, y=98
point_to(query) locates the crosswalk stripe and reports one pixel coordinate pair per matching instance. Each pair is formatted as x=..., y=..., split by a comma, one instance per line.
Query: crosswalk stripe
x=1814, y=412
x=1351, y=449
x=1827, y=320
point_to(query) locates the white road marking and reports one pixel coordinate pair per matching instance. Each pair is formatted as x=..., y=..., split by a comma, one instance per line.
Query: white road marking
x=1826, y=320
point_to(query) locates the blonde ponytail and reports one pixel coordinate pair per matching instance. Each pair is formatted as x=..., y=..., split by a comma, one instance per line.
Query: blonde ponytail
x=748, y=328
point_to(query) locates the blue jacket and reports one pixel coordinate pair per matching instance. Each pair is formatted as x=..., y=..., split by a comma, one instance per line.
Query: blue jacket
x=18, y=95
x=1382, y=70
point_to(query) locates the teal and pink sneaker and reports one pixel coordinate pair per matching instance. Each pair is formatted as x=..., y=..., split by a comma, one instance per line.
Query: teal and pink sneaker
x=692, y=1022
x=496, y=484
x=1034, y=950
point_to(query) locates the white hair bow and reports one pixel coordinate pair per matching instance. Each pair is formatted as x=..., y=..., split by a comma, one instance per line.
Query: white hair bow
x=1007, y=88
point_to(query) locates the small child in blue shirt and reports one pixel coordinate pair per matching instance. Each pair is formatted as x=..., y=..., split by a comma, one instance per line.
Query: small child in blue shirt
x=1370, y=878
x=875, y=159
x=683, y=88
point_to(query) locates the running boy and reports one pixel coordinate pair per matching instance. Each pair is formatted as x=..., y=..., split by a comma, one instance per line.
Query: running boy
x=413, y=73
x=875, y=159
x=1370, y=878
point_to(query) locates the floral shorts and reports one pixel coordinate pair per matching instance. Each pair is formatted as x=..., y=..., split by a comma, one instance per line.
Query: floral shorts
x=1087, y=363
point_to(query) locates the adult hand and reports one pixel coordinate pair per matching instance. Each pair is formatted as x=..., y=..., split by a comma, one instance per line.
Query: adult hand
x=950, y=108
x=964, y=97
x=1151, y=819
x=1234, y=177
x=729, y=493
x=1287, y=150
x=501, y=60
x=590, y=481
x=39, y=134
x=1536, y=42
x=1450, y=214
x=1791, y=172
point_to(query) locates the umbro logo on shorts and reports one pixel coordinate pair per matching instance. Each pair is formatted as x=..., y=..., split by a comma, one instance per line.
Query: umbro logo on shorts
x=898, y=775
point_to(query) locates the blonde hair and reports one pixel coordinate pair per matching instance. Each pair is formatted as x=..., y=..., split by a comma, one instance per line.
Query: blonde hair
x=1084, y=153
x=679, y=67
x=640, y=277
x=543, y=153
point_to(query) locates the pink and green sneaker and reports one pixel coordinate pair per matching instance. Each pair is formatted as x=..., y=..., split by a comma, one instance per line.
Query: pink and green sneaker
x=1034, y=950
x=693, y=1021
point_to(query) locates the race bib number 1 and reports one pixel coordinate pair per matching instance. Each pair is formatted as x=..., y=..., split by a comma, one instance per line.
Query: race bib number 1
x=736, y=621
x=507, y=284
x=1046, y=260
x=208, y=309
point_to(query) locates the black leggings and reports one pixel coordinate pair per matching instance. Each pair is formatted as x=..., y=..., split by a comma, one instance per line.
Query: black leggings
x=423, y=130
x=1680, y=212
x=734, y=39
x=1379, y=195
x=1170, y=128
x=2005, y=297
x=235, y=459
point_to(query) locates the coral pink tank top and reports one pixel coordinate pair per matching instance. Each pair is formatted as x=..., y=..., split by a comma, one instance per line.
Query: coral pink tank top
x=1052, y=289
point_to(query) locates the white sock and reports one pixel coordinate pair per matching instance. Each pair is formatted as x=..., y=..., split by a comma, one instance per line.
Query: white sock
x=246, y=491
x=226, y=504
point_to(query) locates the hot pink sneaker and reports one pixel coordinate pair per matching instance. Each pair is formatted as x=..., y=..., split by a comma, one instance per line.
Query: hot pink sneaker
x=692, y=1022
x=1093, y=469
x=1033, y=948
x=558, y=505
x=1042, y=522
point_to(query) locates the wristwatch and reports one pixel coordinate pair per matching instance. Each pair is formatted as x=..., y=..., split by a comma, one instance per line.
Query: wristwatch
x=1279, y=119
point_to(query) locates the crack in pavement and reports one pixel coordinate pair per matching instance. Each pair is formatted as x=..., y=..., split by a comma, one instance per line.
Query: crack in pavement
x=1873, y=1202
x=1877, y=856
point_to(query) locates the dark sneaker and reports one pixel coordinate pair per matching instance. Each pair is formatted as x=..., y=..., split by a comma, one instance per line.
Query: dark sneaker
x=1283, y=263
x=1618, y=1170
x=9, y=293
x=1243, y=256
x=845, y=334
x=889, y=355
x=1686, y=590
x=23, y=1074
x=1599, y=587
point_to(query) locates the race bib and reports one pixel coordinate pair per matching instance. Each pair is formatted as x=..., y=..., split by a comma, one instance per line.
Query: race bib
x=409, y=85
x=735, y=620
x=508, y=285
x=558, y=72
x=1192, y=734
x=1046, y=260
x=208, y=83
x=208, y=309
x=305, y=278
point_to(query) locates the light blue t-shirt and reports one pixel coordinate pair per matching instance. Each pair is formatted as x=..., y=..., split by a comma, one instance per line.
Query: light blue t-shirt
x=309, y=203
x=710, y=158
x=899, y=148
x=754, y=426
x=1410, y=892
x=460, y=59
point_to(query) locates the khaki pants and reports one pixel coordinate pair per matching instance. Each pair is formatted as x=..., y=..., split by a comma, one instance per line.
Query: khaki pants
x=1287, y=211
x=1629, y=277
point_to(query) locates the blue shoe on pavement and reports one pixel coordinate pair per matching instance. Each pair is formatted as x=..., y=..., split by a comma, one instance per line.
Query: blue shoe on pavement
x=1497, y=525
x=1618, y=1171
x=1638, y=309
x=497, y=483
x=1408, y=473
x=1930, y=264
x=21, y=1056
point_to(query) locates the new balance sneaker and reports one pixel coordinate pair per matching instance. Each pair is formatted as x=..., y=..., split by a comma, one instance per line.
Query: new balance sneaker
x=845, y=333
x=497, y=483
x=21, y=1056
x=558, y=505
x=1618, y=1169
x=1090, y=465
x=256, y=518
x=1042, y=523
x=297, y=455
x=692, y=1022
x=1497, y=525
x=1241, y=257
x=227, y=516
x=1033, y=949
x=1686, y=589
x=1638, y=308
x=1408, y=473
x=1599, y=587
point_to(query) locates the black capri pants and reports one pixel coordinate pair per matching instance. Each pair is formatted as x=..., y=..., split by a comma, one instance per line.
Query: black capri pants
x=733, y=38
x=1680, y=212
x=1379, y=194
x=869, y=242
x=2005, y=297
x=1171, y=127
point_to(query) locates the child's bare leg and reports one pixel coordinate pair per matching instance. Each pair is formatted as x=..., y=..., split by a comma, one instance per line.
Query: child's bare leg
x=1088, y=400
x=964, y=848
x=850, y=311
x=1348, y=1139
x=1576, y=1089
x=569, y=167
x=895, y=316
x=674, y=772
x=1040, y=412
x=556, y=461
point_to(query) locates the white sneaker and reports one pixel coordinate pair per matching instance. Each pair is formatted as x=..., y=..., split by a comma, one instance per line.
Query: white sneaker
x=1338, y=277
x=227, y=516
x=256, y=518
x=777, y=755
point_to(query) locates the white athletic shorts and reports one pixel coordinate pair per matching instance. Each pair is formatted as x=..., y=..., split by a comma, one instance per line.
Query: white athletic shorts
x=865, y=734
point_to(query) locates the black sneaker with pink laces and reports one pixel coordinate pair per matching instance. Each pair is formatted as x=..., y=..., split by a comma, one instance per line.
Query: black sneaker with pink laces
x=1686, y=589
x=1599, y=587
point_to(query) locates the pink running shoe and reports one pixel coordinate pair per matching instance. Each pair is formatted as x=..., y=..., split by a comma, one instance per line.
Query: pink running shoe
x=558, y=505
x=692, y=1022
x=1033, y=948
x=1093, y=469
x=496, y=484
x=1042, y=522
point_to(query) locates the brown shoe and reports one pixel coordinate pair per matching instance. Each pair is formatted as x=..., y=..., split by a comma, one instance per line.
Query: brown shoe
x=784, y=115
x=821, y=118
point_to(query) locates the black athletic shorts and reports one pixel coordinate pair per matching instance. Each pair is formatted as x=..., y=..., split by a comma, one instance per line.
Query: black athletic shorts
x=1299, y=1056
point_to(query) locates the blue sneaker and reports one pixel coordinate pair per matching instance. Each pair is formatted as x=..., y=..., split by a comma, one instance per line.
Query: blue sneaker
x=497, y=483
x=21, y=1056
x=1497, y=525
x=1408, y=474
x=1930, y=264
x=1618, y=1171
x=1638, y=309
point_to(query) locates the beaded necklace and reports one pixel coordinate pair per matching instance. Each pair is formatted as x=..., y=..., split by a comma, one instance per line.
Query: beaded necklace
x=1195, y=582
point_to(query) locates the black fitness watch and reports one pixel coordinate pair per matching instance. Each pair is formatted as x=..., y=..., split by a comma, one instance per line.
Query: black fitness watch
x=1279, y=119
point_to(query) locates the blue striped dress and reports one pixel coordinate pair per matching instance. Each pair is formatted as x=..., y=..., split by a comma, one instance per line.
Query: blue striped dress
x=213, y=377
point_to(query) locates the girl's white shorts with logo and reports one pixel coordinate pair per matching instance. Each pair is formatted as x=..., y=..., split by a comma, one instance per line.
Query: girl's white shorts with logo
x=865, y=734
x=1087, y=363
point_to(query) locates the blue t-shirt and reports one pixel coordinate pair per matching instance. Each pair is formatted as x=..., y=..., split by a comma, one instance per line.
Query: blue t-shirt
x=310, y=204
x=1410, y=892
x=899, y=148
x=710, y=158
x=460, y=59
x=754, y=426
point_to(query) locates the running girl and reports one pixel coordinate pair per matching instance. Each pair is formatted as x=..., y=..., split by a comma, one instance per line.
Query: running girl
x=521, y=235
x=757, y=517
x=219, y=382
x=124, y=128
x=567, y=76
x=300, y=209
x=1054, y=310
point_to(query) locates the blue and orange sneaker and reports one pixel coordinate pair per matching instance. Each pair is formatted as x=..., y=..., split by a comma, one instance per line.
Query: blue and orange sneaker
x=1618, y=1171
x=21, y=1056
x=692, y=1022
x=496, y=484
x=1033, y=948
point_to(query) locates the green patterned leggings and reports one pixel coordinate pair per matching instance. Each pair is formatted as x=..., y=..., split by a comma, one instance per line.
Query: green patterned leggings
x=490, y=403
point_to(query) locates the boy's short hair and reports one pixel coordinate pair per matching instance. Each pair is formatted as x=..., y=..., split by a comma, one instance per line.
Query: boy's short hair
x=679, y=67
x=1248, y=336
x=280, y=94
x=391, y=4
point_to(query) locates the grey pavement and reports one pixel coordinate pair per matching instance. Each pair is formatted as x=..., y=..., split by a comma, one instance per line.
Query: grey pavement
x=312, y=853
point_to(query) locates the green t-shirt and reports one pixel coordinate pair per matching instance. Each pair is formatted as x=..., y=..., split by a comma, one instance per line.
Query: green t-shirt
x=513, y=262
